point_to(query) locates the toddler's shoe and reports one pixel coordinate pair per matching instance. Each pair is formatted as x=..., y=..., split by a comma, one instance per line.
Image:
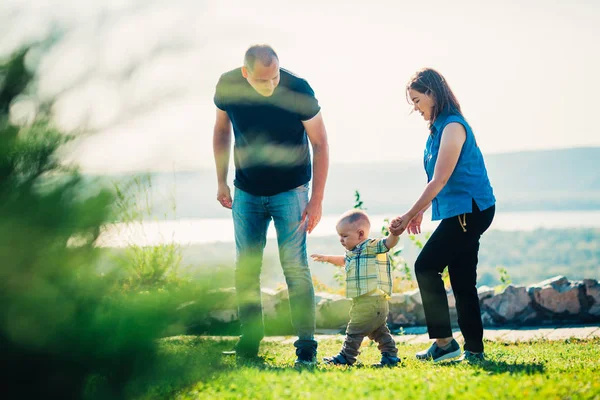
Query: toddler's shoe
x=387, y=360
x=336, y=360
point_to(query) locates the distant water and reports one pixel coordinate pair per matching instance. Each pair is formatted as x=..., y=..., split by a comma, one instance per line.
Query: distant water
x=207, y=230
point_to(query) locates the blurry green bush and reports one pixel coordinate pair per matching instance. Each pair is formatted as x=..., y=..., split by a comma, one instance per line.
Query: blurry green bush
x=62, y=323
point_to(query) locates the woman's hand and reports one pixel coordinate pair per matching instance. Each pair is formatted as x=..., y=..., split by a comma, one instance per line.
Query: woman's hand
x=399, y=224
x=414, y=227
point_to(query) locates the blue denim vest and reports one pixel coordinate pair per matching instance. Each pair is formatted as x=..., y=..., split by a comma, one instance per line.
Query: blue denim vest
x=469, y=181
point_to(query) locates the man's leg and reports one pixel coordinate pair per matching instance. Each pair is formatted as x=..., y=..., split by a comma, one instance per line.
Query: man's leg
x=250, y=221
x=286, y=209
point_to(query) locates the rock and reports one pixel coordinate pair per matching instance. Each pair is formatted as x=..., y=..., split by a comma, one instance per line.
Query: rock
x=397, y=304
x=487, y=319
x=398, y=300
x=224, y=307
x=529, y=316
x=223, y=299
x=403, y=319
x=415, y=296
x=270, y=302
x=557, y=295
x=283, y=295
x=451, y=299
x=320, y=296
x=557, y=281
x=333, y=310
x=402, y=309
x=592, y=290
x=485, y=292
x=510, y=303
x=224, y=315
x=413, y=312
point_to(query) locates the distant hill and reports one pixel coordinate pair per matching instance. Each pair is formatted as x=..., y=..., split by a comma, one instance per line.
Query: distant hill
x=566, y=179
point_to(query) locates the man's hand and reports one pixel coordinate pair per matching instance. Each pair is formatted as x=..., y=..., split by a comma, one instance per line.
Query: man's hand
x=312, y=214
x=224, y=195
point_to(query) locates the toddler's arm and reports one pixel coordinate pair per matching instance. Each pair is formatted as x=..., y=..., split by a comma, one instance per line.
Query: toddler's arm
x=340, y=261
x=391, y=241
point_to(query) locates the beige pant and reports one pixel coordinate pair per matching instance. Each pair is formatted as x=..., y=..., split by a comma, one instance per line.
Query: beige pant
x=368, y=317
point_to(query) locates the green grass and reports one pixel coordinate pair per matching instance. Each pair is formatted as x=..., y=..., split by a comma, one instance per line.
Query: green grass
x=192, y=368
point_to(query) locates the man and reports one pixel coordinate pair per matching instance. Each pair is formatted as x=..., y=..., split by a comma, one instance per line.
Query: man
x=274, y=115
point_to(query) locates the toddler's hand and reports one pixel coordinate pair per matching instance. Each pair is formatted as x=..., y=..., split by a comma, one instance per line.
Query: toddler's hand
x=398, y=225
x=395, y=224
x=318, y=257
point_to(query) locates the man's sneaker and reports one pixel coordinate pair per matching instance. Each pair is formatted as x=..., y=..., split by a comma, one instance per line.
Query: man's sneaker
x=306, y=357
x=249, y=352
x=387, y=360
x=336, y=360
x=472, y=358
x=436, y=353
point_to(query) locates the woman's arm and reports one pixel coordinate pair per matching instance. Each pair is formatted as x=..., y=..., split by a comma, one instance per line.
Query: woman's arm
x=453, y=138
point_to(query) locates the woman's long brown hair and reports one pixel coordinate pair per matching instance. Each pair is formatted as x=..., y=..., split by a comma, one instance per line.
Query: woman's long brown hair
x=430, y=82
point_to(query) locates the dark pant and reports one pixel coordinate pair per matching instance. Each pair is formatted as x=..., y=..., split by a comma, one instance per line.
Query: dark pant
x=368, y=317
x=454, y=244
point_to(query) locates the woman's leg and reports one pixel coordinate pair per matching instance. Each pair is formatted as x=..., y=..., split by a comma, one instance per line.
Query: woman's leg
x=438, y=252
x=463, y=277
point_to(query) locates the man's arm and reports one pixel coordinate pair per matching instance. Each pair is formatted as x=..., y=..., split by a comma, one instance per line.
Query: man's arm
x=315, y=129
x=222, y=149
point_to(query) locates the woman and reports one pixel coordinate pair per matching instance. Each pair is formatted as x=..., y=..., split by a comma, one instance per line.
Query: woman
x=461, y=196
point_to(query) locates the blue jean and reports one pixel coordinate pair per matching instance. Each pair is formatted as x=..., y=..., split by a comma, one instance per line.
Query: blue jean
x=251, y=218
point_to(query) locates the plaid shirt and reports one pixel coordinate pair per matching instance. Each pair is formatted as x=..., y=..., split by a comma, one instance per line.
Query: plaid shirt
x=368, y=268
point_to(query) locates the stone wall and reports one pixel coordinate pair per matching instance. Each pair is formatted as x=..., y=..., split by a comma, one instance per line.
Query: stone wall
x=553, y=301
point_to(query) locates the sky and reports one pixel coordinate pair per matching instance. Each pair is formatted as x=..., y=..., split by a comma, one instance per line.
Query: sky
x=135, y=78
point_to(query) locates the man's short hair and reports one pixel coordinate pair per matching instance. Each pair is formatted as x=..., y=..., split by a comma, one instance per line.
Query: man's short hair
x=261, y=52
x=353, y=216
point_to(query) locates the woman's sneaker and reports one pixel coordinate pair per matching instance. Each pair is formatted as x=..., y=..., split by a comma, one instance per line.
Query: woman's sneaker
x=472, y=358
x=436, y=353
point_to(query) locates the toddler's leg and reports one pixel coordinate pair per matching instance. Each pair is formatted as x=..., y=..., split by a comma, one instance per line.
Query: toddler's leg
x=383, y=337
x=358, y=327
x=351, y=347
x=385, y=340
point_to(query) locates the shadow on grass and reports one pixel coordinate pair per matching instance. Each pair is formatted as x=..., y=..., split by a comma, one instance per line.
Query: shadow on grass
x=501, y=367
x=185, y=361
x=180, y=362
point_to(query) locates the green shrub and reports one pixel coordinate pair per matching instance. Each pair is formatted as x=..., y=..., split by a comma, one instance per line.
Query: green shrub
x=64, y=326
